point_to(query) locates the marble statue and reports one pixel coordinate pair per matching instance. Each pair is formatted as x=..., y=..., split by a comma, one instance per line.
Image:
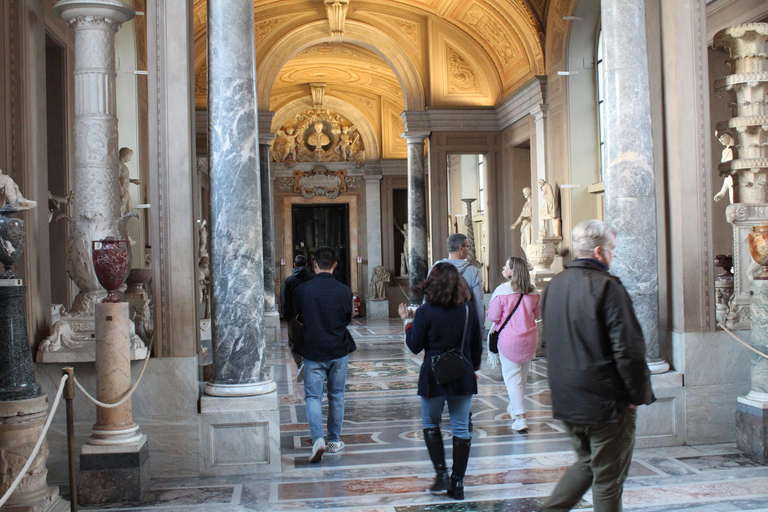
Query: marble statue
x=286, y=142
x=11, y=195
x=378, y=289
x=547, y=210
x=204, y=270
x=55, y=204
x=318, y=139
x=727, y=155
x=524, y=221
x=404, y=255
x=125, y=180
x=344, y=143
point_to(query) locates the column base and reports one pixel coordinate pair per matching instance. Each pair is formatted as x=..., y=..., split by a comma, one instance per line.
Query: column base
x=240, y=436
x=51, y=503
x=110, y=476
x=272, y=326
x=377, y=309
x=752, y=427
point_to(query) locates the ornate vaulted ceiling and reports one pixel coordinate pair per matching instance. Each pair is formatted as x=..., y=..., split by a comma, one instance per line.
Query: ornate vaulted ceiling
x=393, y=55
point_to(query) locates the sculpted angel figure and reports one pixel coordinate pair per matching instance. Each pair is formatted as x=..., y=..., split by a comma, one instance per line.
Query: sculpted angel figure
x=290, y=146
x=344, y=143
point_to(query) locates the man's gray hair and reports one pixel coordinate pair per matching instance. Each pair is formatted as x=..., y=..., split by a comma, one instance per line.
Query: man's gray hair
x=455, y=241
x=590, y=234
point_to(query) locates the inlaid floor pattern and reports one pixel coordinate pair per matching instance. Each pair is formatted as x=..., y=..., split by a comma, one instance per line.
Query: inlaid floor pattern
x=385, y=466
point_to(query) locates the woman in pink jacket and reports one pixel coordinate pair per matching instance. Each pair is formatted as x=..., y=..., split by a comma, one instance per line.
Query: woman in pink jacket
x=519, y=337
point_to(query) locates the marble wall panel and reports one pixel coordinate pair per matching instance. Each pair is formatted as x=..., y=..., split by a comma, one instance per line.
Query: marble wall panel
x=709, y=358
x=663, y=422
x=711, y=412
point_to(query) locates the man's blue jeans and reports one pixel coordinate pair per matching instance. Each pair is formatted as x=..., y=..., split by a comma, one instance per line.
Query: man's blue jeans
x=458, y=410
x=315, y=374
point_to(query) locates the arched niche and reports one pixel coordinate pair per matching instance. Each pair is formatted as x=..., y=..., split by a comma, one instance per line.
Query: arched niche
x=358, y=33
x=338, y=106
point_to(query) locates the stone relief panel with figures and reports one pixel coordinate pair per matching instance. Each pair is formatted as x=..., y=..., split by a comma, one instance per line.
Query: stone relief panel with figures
x=318, y=135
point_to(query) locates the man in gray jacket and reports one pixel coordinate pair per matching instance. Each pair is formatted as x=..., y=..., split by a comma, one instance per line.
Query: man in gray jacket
x=458, y=248
x=597, y=370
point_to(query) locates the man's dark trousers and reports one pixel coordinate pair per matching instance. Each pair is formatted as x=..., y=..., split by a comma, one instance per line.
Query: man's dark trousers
x=604, y=453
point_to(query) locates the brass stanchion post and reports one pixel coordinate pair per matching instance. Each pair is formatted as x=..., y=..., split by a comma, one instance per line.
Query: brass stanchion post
x=69, y=396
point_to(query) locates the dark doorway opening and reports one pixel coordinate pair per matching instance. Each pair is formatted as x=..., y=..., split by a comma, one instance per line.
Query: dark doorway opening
x=318, y=225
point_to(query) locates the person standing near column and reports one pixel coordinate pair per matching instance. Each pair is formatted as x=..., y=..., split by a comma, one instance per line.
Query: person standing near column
x=301, y=275
x=325, y=306
x=597, y=370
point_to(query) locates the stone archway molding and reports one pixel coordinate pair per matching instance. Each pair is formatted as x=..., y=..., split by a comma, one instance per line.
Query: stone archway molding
x=338, y=106
x=358, y=33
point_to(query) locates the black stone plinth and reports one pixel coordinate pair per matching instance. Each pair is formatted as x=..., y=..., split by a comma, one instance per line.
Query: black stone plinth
x=752, y=430
x=113, y=477
x=17, y=373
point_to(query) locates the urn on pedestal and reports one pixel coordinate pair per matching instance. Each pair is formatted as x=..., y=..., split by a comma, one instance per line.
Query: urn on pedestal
x=111, y=259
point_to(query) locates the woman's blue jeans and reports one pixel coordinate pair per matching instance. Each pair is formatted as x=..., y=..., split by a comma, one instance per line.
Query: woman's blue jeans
x=315, y=374
x=458, y=410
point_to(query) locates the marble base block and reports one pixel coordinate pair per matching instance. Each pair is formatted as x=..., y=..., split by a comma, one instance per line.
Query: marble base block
x=21, y=423
x=752, y=427
x=377, y=309
x=240, y=436
x=663, y=422
x=272, y=326
x=116, y=477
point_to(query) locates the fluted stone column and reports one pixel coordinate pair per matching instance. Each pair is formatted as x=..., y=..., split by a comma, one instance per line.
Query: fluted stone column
x=271, y=313
x=236, y=227
x=417, y=210
x=97, y=205
x=630, y=198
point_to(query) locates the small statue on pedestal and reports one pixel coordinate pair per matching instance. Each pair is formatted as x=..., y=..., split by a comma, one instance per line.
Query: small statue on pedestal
x=378, y=290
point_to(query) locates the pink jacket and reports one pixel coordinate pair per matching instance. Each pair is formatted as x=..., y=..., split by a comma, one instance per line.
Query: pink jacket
x=518, y=339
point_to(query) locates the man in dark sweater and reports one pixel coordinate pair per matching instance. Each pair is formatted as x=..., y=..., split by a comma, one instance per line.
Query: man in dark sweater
x=301, y=275
x=326, y=308
x=597, y=370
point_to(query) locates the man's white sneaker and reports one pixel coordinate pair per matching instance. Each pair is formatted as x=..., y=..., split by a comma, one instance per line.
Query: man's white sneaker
x=300, y=374
x=317, y=451
x=335, y=446
x=519, y=424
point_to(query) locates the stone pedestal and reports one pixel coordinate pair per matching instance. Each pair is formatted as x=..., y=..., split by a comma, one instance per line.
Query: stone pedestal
x=113, y=460
x=541, y=255
x=271, y=326
x=377, y=309
x=21, y=423
x=17, y=374
x=240, y=435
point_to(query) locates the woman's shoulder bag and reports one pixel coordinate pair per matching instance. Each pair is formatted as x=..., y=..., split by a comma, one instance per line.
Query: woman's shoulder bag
x=451, y=364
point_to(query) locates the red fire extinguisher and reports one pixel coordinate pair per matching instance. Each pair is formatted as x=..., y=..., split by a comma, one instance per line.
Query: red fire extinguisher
x=356, y=304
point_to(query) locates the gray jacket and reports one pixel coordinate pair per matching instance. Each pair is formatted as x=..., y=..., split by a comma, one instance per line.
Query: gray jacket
x=472, y=277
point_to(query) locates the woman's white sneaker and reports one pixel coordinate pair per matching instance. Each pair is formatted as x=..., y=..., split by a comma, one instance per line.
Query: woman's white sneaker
x=520, y=424
x=317, y=451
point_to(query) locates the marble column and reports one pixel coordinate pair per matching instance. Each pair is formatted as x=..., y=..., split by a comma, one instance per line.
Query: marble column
x=271, y=313
x=630, y=197
x=417, y=210
x=236, y=227
x=96, y=212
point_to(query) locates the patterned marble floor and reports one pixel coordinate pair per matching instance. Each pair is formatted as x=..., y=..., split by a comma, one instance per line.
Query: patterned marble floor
x=385, y=467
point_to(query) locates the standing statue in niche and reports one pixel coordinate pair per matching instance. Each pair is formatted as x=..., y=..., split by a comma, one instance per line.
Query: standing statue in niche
x=524, y=221
x=727, y=155
x=125, y=180
x=404, y=255
x=547, y=210
x=318, y=139
x=378, y=289
x=11, y=195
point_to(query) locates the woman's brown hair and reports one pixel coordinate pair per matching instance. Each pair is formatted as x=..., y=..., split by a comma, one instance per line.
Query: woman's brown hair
x=444, y=286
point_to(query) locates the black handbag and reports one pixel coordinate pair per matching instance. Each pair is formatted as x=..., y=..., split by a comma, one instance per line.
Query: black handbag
x=451, y=364
x=493, y=339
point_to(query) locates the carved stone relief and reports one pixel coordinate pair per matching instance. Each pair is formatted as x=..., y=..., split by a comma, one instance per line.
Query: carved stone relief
x=461, y=77
x=318, y=135
x=494, y=32
x=409, y=28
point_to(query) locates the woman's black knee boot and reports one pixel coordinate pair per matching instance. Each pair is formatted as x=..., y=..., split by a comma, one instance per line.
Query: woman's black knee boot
x=460, y=459
x=434, y=440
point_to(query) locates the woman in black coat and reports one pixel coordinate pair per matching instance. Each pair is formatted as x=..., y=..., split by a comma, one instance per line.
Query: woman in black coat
x=437, y=326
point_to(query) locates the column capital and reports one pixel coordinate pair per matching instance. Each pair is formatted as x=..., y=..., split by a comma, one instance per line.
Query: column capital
x=539, y=111
x=373, y=178
x=105, y=11
x=415, y=137
x=265, y=127
x=416, y=121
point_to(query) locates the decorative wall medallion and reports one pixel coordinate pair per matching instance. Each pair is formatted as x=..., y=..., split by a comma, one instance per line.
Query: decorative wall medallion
x=285, y=183
x=320, y=182
x=351, y=182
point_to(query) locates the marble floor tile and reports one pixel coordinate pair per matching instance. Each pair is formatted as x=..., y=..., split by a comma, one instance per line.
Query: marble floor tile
x=385, y=466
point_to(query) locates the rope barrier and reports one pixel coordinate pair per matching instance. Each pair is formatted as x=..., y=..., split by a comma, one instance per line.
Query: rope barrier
x=130, y=391
x=750, y=347
x=39, y=443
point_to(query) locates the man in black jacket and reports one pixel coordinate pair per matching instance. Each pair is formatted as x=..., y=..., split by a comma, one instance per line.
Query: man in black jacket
x=301, y=275
x=597, y=369
x=326, y=307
